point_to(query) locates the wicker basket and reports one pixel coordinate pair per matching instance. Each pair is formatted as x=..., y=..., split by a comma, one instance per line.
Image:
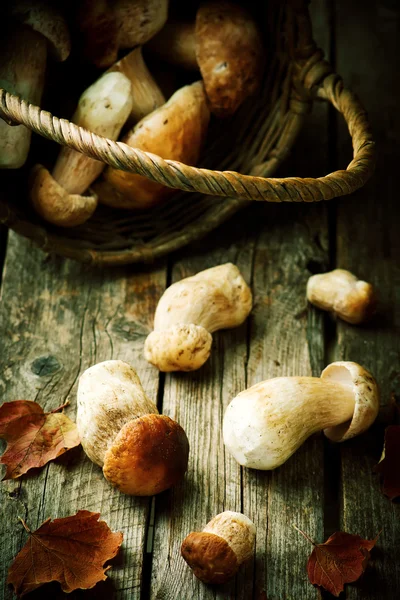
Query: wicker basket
x=251, y=145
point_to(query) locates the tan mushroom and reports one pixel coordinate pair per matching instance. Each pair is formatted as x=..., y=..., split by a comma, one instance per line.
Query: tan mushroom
x=216, y=553
x=265, y=424
x=190, y=310
x=59, y=198
x=141, y=452
x=225, y=45
x=343, y=294
x=175, y=131
x=108, y=26
x=36, y=30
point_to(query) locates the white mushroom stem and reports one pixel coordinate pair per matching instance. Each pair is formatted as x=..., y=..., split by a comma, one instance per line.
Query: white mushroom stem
x=264, y=425
x=22, y=68
x=103, y=109
x=146, y=96
x=190, y=310
x=176, y=44
x=237, y=530
x=342, y=293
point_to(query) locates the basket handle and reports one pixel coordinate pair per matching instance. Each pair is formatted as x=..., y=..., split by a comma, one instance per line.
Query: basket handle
x=218, y=183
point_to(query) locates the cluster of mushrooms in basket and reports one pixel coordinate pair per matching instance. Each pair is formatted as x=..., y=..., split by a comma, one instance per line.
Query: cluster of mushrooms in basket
x=221, y=47
x=143, y=453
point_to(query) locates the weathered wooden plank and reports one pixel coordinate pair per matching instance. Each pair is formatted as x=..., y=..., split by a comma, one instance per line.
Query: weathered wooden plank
x=198, y=400
x=368, y=244
x=57, y=319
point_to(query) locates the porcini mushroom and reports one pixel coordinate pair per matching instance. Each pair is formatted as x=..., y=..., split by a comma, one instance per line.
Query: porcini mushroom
x=343, y=294
x=265, y=424
x=103, y=109
x=35, y=30
x=216, y=553
x=190, y=310
x=175, y=131
x=121, y=24
x=224, y=44
x=141, y=452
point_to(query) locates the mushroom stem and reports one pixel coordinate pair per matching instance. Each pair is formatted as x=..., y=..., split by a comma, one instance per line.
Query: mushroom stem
x=22, y=68
x=176, y=44
x=146, y=95
x=264, y=425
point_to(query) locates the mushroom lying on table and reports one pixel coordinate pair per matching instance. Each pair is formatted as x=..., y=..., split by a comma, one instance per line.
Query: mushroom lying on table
x=142, y=453
x=190, y=310
x=35, y=30
x=59, y=198
x=343, y=294
x=224, y=44
x=176, y=131
x=264, y=425
x=216, y=553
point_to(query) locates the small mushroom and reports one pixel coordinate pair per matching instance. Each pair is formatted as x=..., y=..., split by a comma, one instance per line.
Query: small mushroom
x=340, y=292
x=35, y=30
x=146, y=95
x=142, y=453
x=216, y=553
x=190, y=310
x=224, y=44
x=176, y=131
x=103, y=109
x=264, y=425
x=108, y=26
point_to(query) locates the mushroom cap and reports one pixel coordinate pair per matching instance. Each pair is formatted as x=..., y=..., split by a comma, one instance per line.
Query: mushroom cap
x=148, y=456
x=96, y=20
x=180, y=348
x=46, y=20
x=138, y=21
x=109, y=396
x=175, y=131
x=210, y=557
x=341, y=292
x=55, y=204
x=229, y=53
x=366, y=396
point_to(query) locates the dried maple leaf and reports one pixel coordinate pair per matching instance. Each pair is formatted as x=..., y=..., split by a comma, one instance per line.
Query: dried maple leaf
x=341, y=559
x=33, y=437
x=71, y=551
x=389, y=465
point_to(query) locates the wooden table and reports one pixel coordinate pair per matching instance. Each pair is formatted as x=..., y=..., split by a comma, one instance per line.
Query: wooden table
x=58, y=318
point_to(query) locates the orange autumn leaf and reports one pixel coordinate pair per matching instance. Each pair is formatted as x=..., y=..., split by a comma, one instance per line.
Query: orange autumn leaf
x=33, y=437
x=389, y=465
x=341, y=559
x=71, y=551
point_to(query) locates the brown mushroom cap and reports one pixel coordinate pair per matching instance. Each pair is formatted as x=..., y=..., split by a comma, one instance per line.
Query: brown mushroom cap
x=229, y=53
x=98, y=25
x=48, y=21
x=210, y=557
x=138, y=21
x=148, y=456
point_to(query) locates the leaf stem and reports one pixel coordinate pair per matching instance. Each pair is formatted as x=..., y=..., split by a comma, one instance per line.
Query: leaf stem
x=60, y=407
x=25, y=525
x=305, y=535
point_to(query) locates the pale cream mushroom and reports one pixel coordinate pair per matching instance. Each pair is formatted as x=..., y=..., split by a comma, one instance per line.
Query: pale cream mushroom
x=35, y=31
x=59, y=198
x=225, y=44
x=141, y=452
x=265, y=424
x=342, y=293
x=176, y=131
x=216, y=553
x=190, y=310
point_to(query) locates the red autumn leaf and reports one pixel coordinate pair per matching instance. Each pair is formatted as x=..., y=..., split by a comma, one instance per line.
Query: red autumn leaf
x=71, y=551
x=389, y=465
x=33, y=437
x=341, y=559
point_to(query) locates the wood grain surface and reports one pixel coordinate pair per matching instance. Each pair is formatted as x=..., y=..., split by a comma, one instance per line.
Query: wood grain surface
x=57, y=318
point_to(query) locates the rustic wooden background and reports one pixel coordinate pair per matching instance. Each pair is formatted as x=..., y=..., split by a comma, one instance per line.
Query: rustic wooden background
x=57, y=318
